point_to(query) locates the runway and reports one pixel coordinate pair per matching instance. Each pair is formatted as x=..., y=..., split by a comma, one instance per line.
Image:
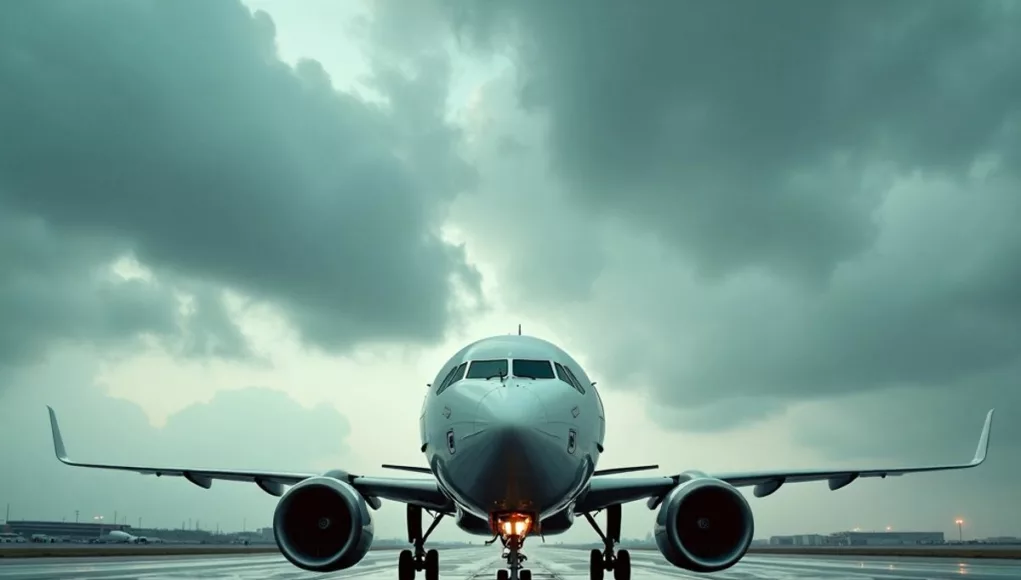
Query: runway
x=546, y=563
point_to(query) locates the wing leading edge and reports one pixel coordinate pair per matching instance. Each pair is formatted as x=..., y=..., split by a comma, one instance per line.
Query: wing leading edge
x=420, y=492
x=606, y=491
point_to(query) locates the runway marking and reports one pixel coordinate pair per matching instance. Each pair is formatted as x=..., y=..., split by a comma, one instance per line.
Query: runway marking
x=480, y=571
x=553, y=575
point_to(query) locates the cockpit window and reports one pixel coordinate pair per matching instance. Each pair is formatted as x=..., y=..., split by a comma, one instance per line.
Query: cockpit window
x=533, y=369
x=487, y=369
x=455, y=374
x=446, y=380
x=565, y=374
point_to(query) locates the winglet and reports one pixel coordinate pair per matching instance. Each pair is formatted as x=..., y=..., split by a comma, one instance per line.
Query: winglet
x=983, y=440
x=58, y=441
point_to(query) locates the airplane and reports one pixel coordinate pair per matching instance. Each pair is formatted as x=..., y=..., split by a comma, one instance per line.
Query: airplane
x=512, y=429
x=120, y=537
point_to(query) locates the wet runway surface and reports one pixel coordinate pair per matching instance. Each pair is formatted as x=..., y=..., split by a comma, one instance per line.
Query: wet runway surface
x=482, y=563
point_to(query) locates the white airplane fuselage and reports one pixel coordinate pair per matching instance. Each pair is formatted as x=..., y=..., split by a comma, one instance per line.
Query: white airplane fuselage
x=119, y=537
x=517, y=428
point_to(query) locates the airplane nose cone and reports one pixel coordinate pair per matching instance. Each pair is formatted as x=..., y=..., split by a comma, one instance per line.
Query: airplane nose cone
x=508, y=409
x=521, y=458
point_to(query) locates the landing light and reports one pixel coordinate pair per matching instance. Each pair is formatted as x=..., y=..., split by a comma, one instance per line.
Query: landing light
x=515, y=525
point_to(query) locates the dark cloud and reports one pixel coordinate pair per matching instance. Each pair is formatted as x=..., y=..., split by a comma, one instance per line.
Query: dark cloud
x=57, y=285
x=171, y=132
x=753, y=133
x=251, y=428
x=870, y=149
x=925, y=307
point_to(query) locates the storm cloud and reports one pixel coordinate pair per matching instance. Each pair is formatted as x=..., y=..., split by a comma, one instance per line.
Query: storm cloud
x=758, y=134
x=171, y=133
x=746, y=208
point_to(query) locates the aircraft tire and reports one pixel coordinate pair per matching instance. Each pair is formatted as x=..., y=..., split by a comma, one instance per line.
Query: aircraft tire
x=432, y=565
x=406, y=565
x=622, y=567
x=595, y=565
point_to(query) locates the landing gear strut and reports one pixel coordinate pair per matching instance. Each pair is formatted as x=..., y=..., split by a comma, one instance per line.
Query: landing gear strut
x=601, y=561
x=409, y=563
x=514, y=559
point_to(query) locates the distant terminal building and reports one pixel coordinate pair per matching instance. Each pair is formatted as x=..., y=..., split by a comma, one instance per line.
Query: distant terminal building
x=29, y=528
x=799, y=540
x=886, y=538
x=1002, y=540
x=860, y=539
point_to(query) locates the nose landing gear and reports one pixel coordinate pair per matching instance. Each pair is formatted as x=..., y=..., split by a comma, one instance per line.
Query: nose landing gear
x=600, y=561
x=409, y=563
x=514, y=558
x=511, y=530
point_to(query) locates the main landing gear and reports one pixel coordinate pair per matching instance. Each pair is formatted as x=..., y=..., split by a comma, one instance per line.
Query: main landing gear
x=512, y=530
x=409, y=563
x=601, y=561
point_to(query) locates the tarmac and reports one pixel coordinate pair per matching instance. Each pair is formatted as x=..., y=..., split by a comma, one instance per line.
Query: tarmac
x=546, y=563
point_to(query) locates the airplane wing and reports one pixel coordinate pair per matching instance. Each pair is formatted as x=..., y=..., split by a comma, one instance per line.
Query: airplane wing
x=607, y=491
x=421, y=492
x=620, y=470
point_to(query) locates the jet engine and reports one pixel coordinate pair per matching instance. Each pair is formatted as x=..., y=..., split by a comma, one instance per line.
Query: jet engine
x=704, y=525
x=322, y=524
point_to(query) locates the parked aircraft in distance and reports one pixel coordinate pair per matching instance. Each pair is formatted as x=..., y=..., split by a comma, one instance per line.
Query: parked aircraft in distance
x=121, y=537
x=512, y=429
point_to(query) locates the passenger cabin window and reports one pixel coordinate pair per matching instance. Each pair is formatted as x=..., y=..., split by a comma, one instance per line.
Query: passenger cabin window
x=564, y=373
x=487, y=369
x=533, y=369
x=455, y=374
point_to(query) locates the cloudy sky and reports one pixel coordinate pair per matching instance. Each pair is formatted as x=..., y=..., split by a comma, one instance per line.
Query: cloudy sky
x=246, y=235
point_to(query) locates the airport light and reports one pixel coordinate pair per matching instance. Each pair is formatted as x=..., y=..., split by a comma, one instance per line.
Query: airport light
x=888, y=528
x=960, y=529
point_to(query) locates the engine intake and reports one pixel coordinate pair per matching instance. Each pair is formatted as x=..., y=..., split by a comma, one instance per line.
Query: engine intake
x=323, y=524
x=704, y=525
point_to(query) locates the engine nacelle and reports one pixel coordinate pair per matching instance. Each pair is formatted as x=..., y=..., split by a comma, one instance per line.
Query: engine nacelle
x=704, y=525
x=323, y=524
